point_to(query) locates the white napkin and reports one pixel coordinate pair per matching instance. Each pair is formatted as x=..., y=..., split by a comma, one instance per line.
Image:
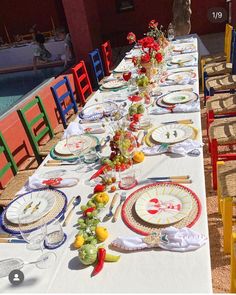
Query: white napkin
x=187, y=107
x=171, y=239
x=179, y=108
x=74, y=128
x=185, y=147
x=35, y=182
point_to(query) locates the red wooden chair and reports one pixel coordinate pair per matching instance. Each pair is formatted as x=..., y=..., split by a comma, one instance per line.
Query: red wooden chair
x=107, y=57
x=82, y=82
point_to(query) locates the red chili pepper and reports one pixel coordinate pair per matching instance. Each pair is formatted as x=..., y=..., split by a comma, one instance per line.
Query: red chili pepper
x=99, y=172
x=100, y=261
x=99, y=188
x=91, y=209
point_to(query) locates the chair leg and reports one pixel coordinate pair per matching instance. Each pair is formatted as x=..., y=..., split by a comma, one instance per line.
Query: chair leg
x=214, y=158
x=219, y=198
x=209, y=120
x=227, y=223
x=206, y=92
x=233, y=265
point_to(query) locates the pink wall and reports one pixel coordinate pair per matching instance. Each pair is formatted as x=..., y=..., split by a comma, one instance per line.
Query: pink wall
x=14, y=132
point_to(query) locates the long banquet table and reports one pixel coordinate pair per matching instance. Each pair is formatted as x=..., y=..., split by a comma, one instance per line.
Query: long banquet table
x=150, y=271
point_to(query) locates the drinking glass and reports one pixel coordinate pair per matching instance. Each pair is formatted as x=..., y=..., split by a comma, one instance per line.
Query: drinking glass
x=76, y=145
x=55, y=235
x=127, y=178
x=127, y=78
x=171, y=32
x=35, y=240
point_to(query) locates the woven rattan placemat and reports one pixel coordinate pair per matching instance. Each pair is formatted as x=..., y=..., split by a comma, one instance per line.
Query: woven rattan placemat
x=57, y=210
x=135, y=223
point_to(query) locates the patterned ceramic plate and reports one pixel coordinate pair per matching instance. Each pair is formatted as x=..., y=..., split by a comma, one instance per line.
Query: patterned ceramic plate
x=124, y=68
x=31, y=207
x=181, y=60
x=180, y=76
x=163, y=204
x=98, y=111
x=172, y=133
x=89, y=142
x=113, y=84
x=184, y=48
x=179, y=97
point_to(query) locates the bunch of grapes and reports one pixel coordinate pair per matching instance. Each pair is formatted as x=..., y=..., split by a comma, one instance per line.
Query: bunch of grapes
x=88, y=223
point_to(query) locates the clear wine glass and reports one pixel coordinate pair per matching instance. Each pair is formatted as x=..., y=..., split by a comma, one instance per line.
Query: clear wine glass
x=76, y=145
x=35, y=241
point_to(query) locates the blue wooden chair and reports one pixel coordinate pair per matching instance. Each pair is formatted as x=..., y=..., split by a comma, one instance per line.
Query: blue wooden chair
x=66, y=101
x=97, y=67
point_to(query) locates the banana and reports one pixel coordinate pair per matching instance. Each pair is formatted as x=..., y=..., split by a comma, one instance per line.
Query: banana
x=111, y=258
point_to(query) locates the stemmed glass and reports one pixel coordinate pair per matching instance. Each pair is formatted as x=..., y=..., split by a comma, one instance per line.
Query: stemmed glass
x=35, y=240
x=127, y=78
x=76, y=145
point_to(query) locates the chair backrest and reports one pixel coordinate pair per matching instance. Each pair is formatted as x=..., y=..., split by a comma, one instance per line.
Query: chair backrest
x=82, y=81
x=65, y=101
x=11, y=164
x=233, y=52
x=107, y=57
x=35, y=128
x=97, y=66
x=228, y=41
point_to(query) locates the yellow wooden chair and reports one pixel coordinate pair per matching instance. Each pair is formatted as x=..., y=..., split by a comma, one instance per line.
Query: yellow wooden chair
x=219, y=57
x=226, y=190
x=233, y=264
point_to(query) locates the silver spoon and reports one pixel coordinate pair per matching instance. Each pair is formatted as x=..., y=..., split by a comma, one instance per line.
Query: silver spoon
x=76, y=202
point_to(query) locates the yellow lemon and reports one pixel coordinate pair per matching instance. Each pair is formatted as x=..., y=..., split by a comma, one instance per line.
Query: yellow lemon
x=79, y=241
x=101, y=198
x=138, y=157
x=101, y=233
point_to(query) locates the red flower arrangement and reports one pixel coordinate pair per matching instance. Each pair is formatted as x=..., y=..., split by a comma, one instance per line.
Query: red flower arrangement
x=131, y=37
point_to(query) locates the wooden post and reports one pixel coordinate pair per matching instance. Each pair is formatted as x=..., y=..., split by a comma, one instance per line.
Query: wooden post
x=7, y=34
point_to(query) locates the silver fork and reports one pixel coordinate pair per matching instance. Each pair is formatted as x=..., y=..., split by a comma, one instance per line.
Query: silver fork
x=118, y=209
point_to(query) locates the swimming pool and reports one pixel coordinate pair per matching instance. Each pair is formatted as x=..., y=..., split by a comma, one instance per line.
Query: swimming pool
x=14, y=86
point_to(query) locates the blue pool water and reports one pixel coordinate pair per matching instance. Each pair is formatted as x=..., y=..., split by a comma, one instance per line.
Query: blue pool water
x=14, y=86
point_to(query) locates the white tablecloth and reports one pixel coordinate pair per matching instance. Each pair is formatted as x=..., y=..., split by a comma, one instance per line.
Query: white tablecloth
x=151, y=271
x=23, y=56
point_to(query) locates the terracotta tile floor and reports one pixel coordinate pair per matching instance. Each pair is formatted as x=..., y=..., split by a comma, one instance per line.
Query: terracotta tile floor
x=220, y=262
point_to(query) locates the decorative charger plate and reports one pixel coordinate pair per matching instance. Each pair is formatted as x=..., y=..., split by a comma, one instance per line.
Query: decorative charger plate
x=182, y=59
x=163, y=204
x=113, y=84
x=31, y=207
x=179, y=97
x=56, y=212
x=172, y=133
x=98, y=111
x=135, y=223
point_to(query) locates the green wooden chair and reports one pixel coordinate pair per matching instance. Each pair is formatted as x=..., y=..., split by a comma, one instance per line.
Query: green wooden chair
x=36, y=137
x=18, y=178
